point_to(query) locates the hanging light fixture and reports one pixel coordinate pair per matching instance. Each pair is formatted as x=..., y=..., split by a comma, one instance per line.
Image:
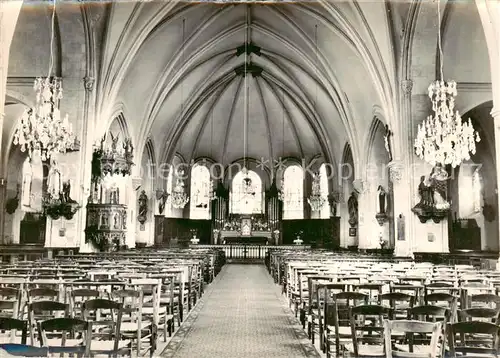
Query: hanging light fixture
x=316, y=200
x=212, y=190
x=281, y=189
x=42, y=130
x=179, y=196
x=443, y=138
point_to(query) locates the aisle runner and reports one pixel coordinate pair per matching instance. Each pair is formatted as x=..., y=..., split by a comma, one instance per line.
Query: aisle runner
x=242, y=314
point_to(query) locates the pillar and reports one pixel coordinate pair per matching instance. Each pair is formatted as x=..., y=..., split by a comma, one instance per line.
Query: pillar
x=9, y=13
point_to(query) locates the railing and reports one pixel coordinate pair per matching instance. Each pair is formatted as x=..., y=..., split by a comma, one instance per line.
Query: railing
x=255, y=252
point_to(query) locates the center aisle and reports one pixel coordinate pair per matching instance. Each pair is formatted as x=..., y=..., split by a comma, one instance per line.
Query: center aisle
x=242, y=314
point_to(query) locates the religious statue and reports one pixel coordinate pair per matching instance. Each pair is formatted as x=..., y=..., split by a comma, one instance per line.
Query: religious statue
x=114, y=142
x=54, y=182
x=162, y=197
x=352, y=204
x=387, y=141
x=439, y=184
x=433, y=195
x=66, y=188
x=425, y=192
x=382, y=200
x=143, y=207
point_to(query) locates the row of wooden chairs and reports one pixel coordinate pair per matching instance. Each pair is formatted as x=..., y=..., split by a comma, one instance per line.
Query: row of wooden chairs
x=319, y=287
x=142, y=293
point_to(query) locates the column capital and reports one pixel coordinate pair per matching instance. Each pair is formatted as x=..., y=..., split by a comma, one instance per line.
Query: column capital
x=407, y=86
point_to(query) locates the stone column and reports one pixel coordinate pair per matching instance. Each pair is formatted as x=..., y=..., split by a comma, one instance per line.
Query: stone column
x=132, y=211
x=9, y=13
x=402, y=213
x=400, y=174
x=363, y=227
x=495, y=113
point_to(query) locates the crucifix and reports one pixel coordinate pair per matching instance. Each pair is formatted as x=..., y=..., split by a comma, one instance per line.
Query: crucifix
x=387, y=140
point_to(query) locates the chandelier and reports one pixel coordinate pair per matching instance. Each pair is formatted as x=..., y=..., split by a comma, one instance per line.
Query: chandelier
x=316, y=200
x=443, y=139
x=179, y=197
x=41, y=129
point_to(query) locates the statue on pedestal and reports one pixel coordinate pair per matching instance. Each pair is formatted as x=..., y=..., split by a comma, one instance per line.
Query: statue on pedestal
x=352, y=204
x=143, y=207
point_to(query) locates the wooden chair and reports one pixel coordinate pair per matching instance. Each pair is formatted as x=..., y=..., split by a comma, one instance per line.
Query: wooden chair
x=44, y=310
x=410, y=328
x=106, y=317
x=367, y=331
x=462, y=339
x=9, y=327
x=62, y=336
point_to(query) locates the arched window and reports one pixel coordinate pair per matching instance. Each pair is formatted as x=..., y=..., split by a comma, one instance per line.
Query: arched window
x=293, y=180
x=246, y=193
x=323, y=184
x=26, y=188
x=200, y=193
x=170, y=186
x=476, y=190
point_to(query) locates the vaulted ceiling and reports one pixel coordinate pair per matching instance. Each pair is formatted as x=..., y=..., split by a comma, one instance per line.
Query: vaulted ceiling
x=316, y=71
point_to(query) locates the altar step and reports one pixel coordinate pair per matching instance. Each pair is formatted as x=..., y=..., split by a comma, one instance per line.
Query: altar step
x=245, y=261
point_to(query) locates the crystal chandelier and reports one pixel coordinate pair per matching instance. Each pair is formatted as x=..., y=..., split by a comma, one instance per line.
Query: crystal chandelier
x=179, y=197
x=443, y=139
x=316, y=200
x=41, y=129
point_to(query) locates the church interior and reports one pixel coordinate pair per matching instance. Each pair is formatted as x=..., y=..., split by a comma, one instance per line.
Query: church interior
x=249, y=178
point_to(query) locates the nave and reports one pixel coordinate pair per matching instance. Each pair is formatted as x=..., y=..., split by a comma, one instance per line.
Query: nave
x=242, y=314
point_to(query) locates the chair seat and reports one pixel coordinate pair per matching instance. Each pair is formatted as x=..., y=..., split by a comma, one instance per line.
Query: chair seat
x=365, y=350
x=132, y=326
x=108, y=345
x=343, y=330
x=420, y=349
x=8, y=338
x=56, y=342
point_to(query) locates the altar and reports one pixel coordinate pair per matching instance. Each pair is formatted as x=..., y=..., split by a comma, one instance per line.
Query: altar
x=237, y=237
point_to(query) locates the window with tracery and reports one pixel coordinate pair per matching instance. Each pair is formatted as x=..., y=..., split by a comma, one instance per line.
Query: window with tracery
x=26, y=188
x=200, y=193
x=170, y=180
x=476, y=190
x=323, y=184
x=293, y=179
x=246, y=193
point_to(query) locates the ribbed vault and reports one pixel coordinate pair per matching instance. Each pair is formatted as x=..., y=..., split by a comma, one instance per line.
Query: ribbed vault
x=312, y=90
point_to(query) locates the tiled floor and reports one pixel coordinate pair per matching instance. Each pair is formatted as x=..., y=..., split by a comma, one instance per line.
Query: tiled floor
x=242, y=314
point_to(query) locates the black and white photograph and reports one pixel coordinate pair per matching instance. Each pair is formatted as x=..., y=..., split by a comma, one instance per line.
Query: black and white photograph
x=249, y=178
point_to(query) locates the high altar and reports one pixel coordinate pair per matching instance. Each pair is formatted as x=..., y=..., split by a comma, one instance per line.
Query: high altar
x=246, y=229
